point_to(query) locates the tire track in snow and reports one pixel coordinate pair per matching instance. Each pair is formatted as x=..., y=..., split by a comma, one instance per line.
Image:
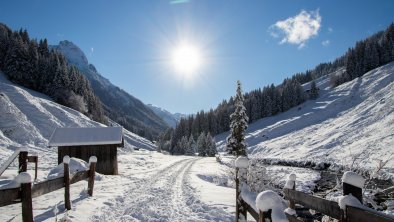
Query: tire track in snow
x=166, y=195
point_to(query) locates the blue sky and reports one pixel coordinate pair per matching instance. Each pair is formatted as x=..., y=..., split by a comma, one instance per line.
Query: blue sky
x=131, y=42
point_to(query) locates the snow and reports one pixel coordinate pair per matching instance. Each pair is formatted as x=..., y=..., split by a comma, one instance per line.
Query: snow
x=76, y=136
x=305, y=177
x=23, y=177
x=352, y=121
x=28, y=119
x=290, y=211
x=290, y=183
x=66, y=159
x=249, y=197
x=353, y=178
x=348, y=200
x=9, y=161
x=292, y=177
x=75, y=165
x=92, y=159
x=242, y=162
x=171, y=119
x=267, y=200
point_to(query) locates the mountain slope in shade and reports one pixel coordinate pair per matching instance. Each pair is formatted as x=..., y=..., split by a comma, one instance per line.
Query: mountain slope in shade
x=353, y=120
x=171, y=119
x=120, y=106
x=28, y=119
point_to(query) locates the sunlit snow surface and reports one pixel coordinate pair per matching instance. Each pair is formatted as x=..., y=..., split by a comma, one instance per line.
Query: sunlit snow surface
x=353, y=120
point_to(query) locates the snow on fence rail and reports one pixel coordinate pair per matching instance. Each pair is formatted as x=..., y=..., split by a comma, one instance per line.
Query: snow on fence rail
x=21, y=189
x=267, y=205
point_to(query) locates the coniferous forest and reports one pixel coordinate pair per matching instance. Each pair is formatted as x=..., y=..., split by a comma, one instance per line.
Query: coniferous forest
x=366, y=55
x=32, y=64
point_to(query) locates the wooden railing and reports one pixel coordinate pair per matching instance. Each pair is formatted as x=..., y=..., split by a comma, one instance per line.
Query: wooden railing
x=23, y=159
x=25, y=192
x=332, y=209
x=307, y=201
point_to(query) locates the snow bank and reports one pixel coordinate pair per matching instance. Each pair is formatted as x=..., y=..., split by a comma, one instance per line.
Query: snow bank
x=270, y=200
x=348, y=200
x=242, y=162
x=353, y=178
x=75, y=165
x=290, y=183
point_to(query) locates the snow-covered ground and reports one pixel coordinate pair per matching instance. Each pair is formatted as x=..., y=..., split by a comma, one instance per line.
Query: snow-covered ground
x=151, y=187
x=354, y=121
x=28, y=119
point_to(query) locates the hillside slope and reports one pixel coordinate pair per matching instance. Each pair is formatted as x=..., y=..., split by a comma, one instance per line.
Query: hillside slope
x=28, y=118
x=171, y=119
x=119, y=105
x=352, y=121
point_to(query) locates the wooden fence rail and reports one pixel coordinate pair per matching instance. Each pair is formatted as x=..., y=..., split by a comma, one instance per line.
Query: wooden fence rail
x=26, y=191
x=326, y=207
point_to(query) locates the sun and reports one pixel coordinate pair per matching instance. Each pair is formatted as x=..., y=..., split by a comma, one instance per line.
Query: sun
x=186, y=58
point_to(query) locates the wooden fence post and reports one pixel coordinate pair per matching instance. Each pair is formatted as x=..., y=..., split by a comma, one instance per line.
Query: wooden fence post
x=357, y=192
x=27, y=207
x=33, y=159
x=349, y=181
x=23, y=160
x=265, y=215
x=241, y=167
x=67, y=202
x=92, y=171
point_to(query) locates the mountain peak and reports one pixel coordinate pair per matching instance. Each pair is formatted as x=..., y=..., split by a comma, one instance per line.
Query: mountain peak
x=73, y=53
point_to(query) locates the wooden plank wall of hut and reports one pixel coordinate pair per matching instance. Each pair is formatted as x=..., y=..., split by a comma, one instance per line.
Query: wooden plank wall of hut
x=106, y=154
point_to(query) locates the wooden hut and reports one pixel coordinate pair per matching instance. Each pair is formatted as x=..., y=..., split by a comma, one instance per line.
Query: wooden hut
x=83, y=143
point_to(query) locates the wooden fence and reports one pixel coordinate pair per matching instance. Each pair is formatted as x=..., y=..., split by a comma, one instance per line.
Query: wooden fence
x=307, y=201
x=26, y=191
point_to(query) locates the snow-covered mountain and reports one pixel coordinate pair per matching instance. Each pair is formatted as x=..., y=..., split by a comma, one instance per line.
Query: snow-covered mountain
x=354, y=121
x=119, y=105
x=28, y=119
x=171, y=119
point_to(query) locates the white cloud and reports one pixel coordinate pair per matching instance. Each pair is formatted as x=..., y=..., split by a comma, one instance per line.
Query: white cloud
x=330, y=30
x=298, y=29
x=92, y=50
x=326, y=42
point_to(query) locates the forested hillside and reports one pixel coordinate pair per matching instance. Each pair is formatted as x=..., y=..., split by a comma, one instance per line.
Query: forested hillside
x=30, y=63
x=366, y=55
x=118, y=105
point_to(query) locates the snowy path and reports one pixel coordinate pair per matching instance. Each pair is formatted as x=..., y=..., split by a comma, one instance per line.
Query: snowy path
x=163, y=195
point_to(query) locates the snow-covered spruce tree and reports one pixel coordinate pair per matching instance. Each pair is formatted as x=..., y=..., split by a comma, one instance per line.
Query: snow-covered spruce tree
x=201, y=146
x=210, y=145
x=191, y=149
x=238, y=125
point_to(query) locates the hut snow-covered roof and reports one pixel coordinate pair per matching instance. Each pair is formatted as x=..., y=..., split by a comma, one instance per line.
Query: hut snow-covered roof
x=76, y=136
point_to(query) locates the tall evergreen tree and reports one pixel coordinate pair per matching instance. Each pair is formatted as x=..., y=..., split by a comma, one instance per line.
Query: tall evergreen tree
x=238, y=125
x=201, y=145
x=191, y=146
x=210, y=145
